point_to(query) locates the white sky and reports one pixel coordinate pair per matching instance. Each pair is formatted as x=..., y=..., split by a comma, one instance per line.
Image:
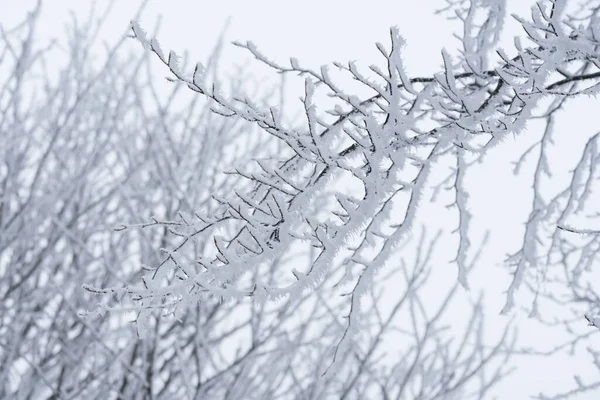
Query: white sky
x=318, y=32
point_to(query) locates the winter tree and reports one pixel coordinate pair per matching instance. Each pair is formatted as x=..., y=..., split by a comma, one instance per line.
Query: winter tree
x=90, y=142
x=264, y=257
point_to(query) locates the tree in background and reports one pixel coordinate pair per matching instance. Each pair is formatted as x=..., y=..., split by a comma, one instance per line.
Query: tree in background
x=90, y=143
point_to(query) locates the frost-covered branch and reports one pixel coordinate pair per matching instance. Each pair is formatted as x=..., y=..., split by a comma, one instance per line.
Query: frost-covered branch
x=385, y=144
